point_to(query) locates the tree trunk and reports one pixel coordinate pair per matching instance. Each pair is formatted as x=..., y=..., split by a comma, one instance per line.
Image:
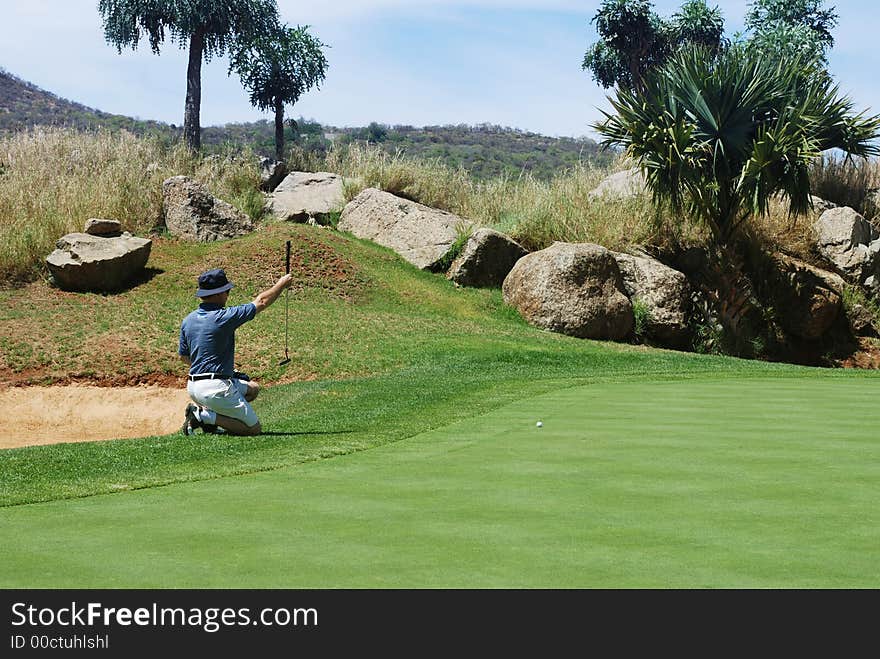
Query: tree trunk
x=192, y=132
x=279, y=130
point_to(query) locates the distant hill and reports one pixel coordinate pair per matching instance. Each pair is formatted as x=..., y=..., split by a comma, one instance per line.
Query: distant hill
x=23, y=105
x=485, y=150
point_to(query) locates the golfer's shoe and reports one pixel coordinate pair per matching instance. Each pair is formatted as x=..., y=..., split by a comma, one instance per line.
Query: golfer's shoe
x=191, y=421
x=212, y=429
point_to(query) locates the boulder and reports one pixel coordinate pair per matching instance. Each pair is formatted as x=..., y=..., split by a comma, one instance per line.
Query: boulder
x=84, y=262
x=99, y=227
x=807, y=300
x=304, y=196
x=272, y=172
x=818, y=204
x=848, y=242
x=627, y=184
x=485, y=260
x=664, y=291
x=422, y=235
x=193, y=213
x=571, y=288
x=872, y=204
x=862, y=322
x=821, y=205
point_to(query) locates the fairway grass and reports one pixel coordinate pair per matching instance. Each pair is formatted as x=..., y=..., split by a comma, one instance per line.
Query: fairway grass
x=700, y=482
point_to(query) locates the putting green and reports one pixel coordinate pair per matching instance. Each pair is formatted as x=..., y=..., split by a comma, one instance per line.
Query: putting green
x=756, y=483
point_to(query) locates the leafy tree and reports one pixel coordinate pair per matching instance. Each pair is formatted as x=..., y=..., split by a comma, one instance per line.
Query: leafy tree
x=206, y=27
x=634, y=40
x=376, y=132
x=721, y=136
x=696, y=24
x=277, y=68
x=785, y=28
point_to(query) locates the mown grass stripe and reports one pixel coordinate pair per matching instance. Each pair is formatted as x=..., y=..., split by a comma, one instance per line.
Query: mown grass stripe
x=589, y=500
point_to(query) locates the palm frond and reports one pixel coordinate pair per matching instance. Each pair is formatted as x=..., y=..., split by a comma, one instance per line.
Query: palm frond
x=721, y=135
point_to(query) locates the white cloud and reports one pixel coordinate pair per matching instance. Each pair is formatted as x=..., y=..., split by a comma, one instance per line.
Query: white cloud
x=466, y=61
x=294, y=11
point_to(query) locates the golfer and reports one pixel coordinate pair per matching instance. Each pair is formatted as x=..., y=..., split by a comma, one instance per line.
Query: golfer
x=207, y=343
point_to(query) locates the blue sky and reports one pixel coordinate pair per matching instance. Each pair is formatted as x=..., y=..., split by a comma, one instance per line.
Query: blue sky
x=514, y=63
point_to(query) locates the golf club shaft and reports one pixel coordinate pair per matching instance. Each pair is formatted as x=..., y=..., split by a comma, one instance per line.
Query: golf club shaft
x=286, y=298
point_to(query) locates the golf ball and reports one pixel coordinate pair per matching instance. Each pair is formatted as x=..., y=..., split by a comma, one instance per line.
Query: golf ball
x=539, y=424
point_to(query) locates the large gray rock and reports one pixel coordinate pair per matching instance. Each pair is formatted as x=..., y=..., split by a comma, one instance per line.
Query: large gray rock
x=571, y=288
x=305, y=196
x=622, y=185
x=848, y=242
x=83, y=262
x=862, y=322
x=99, y=227
x=664, y=291
x=420, y=234
x=272, y=172
x=485, y=260
x=821, y=205
x=806, y=300
x=872, y=204
x=193, y=213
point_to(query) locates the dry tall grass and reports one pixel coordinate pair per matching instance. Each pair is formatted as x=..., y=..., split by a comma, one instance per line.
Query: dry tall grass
x=847, y=182
x=538, y=212
x=52, y=180
x=533, y=212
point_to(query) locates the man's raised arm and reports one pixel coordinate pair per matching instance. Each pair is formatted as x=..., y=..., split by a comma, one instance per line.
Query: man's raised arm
x=268, y=296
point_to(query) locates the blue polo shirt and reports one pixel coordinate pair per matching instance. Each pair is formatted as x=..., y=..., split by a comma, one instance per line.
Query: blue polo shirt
x=207, y=337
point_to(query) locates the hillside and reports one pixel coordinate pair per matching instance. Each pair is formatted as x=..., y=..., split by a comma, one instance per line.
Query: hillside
x=24, y=105
x=485, y=151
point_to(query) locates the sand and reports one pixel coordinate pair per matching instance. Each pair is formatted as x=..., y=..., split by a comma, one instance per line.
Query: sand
x=78, y=413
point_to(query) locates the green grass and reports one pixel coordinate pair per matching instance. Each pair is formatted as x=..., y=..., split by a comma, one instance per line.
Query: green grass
x=452, y=379
x=400, y=445
x=380, y=352
x=738, y=482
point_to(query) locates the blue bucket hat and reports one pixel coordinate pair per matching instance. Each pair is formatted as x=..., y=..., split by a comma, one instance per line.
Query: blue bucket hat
x=213, y=282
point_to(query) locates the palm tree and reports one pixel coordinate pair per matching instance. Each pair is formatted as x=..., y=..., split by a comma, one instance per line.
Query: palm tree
x=277, y=68
x=720, y=136
x=206, y=27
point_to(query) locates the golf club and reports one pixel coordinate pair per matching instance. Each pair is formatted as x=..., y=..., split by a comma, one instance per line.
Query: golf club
x=286, y=359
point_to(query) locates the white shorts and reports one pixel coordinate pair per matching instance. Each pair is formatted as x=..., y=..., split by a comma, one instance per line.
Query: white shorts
x=225, y=397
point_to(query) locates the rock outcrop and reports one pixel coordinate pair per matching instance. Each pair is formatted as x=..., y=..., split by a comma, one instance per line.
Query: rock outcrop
x=422, y=235
x=571, y=288
x=627, y=184
x=272, y=172
x=664, y=291
x=806, y=300
x=849, y=243
x=193, y=213
x=307, y=196
x=86, y=262
x=485, y=260
x=107, y=228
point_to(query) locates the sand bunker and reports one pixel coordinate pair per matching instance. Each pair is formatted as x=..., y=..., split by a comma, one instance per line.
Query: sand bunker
x=51, y=415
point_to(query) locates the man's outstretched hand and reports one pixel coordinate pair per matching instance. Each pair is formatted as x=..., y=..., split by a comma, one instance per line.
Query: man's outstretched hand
x=268, y=296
